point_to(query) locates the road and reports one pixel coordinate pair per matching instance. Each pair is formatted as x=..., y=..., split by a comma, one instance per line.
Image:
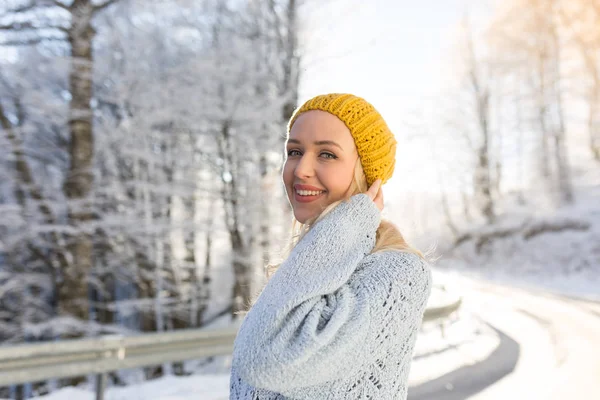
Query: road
x=549, y=348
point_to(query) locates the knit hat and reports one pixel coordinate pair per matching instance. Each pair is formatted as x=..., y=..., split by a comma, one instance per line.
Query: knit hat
x=375, y=142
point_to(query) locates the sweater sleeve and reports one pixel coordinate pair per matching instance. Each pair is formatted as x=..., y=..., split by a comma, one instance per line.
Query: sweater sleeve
x=308, y=325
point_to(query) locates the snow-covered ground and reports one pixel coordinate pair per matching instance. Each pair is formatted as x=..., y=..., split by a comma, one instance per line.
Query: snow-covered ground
x=564, y=258
x=205, y=387
x=559, y=342
x=466, y=341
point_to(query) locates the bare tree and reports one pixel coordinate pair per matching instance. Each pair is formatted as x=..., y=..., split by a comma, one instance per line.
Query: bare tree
x=581, y=18
x=527, y=39
x=72, y=287
x=280, y=20
x=115, y=234
x=478, y=93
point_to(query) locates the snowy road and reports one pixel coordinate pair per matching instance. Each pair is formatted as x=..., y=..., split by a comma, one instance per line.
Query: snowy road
x=550, y=348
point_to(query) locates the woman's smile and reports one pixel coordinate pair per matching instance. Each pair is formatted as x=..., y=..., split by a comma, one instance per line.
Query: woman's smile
x=307, y=193
x=307, y=196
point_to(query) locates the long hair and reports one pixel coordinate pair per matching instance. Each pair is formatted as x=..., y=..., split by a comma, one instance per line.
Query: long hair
x=388, y=236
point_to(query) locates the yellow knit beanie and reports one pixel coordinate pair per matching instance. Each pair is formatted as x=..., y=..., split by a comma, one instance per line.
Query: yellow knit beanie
x=375, y=142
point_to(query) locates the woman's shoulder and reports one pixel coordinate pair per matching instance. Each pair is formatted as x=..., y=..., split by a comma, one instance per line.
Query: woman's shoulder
x=399, y=259
x=400, y=267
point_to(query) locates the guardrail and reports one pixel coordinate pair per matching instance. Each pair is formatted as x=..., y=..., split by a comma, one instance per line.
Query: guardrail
x=80, y=357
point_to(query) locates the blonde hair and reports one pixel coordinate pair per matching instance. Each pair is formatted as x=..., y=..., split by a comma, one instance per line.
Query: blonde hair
x=388, y=236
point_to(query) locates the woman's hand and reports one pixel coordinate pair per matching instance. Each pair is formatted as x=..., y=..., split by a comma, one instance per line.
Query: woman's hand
x=376, y=194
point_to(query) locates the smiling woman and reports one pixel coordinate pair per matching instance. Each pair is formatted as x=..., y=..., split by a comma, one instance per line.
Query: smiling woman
x=338, y=318
x=321, y=155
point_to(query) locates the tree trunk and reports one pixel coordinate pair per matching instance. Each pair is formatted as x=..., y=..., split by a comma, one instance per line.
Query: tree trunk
x=203, y=292
x=265, y=217
x=520, y=149
x=73, y=289
x=594, y=122
x=483, y=195
x=291, y=62
x=482, y=185
x=190, y=266
x=589, y=53
x=543, y=157
x=242, y=291
x=151, y=247
x=594, y=105
x=242, y=267
x=560, y=146
x=466, y=208
x=482, y=180
x=146, y=287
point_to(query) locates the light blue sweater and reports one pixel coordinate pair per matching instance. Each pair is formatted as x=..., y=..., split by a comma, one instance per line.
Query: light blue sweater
x=334, y=321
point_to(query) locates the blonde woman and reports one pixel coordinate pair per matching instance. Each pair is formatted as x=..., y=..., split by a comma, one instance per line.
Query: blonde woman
x=338, y=319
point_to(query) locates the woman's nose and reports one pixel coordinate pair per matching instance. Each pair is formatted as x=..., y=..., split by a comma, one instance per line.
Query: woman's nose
x=304, y=168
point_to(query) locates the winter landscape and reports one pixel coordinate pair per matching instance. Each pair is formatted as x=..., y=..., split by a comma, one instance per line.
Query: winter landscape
x=140, y=177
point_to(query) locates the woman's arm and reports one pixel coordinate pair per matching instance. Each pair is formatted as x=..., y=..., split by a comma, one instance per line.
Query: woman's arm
x=309, y=325
x=312, y=324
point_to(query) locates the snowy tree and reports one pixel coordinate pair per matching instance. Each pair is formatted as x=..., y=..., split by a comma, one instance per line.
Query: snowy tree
x=581, y=20
x=140, y=135
x=26, y=23
x=528, y=35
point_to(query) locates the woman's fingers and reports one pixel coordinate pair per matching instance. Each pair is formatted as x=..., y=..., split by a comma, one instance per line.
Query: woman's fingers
x=374, y=189
x=379, y=199
x=376, y=194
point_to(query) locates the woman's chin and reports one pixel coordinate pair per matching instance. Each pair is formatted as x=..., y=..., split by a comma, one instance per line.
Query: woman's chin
x=301, y=217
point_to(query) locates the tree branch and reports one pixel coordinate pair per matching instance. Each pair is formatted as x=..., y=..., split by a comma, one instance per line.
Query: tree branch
x=35, y=5
x=29, y=42
x=28, y=7
x=18, y=26
x=28, y=26
x=61, y=5
x=102, y=6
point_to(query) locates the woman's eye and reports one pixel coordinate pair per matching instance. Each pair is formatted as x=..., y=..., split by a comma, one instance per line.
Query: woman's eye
x=333, y=157
x=330, y=156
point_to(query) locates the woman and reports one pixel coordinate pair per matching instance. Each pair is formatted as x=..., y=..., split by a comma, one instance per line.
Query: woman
x=338, y=319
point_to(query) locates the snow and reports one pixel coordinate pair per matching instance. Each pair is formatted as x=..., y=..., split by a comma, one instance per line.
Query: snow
x=558, y=352
x=466, y=341
x=206, y=387
x=566, y=261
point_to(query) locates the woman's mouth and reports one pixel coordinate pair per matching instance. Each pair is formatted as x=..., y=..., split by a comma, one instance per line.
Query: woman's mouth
x=306, y=196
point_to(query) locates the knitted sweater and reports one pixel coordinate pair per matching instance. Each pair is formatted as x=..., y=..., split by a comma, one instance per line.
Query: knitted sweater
x=334, y=321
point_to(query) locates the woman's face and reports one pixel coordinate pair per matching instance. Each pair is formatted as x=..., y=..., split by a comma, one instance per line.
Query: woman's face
x=321, y=156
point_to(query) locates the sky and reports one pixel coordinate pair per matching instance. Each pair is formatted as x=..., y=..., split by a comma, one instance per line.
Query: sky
x=386, y=50
x=393, y=54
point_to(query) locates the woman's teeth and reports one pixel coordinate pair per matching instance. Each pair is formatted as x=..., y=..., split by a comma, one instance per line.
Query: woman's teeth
x=308, y=192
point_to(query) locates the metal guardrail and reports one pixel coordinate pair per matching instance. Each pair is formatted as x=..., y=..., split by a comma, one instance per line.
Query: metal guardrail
x=80, y=357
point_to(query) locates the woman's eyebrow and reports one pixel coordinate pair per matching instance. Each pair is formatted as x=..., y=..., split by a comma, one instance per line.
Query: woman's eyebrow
x=318, y=142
